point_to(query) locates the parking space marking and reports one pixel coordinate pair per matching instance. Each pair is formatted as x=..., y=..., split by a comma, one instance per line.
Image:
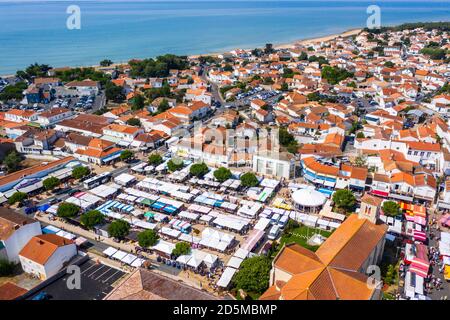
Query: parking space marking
x=106, y=280
x=93, y=265
x=101, y=267
x=109, y=269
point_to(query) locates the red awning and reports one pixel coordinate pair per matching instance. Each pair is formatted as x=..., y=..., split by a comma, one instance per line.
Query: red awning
x=419, y=235
x=419, y=271
x=380, y=193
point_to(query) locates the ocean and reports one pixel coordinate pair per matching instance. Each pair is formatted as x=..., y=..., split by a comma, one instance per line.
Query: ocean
x=35, y=31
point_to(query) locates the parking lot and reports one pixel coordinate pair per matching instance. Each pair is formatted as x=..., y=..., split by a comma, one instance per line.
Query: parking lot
x=96, y=283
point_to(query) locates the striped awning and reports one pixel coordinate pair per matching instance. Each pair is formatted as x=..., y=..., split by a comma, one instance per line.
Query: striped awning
x=419, y=235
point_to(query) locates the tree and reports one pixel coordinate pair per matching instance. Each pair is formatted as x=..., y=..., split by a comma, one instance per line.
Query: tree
x=13, y=92
x=199, y=169
x=249, y=180
x=228, y=68
x=360, y=161
x=51, y=183
x=181, y=248
x=391, y=208
x=253, y=275
x=137, y=102
x=174, y=165
x=126, y=155
x=148, y=238
x=67, y=210
x=12, y=161
x=119, y=229
x=389, y=64
x=17, y=197
x=106, y=63
x=334, y=75
x=222, y=174
x=163, y=106
x=80, y=172
x=135, y=122
x=155, y=159
x=360, y=135
x=6, y=268
x=114, y=93
x=344, y=200
x=288, y=140
x=92, y=218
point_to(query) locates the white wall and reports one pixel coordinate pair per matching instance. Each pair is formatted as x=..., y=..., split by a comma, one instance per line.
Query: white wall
x=20, y=238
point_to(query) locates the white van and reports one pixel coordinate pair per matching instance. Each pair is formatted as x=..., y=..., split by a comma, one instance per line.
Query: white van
x=283, y=221
x=274, y=232
x=275, y=218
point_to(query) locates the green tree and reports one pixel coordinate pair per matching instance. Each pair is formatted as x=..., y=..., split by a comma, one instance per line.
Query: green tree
x=222, y=174
x=106, y=63
x=126, y=155
x=92, y=218
x=389, y=64
x=391, y=208
x=334, y=75
x=249, y=179
x=148, y=238
x=80, y=172
x=360, y=161
x=13, y=92
x=163, y=106
x=119, y=229
x=174, y=165
x=254, y=274
x=288, y=140
x=155, y=159
x=360, y=135
x=6, y=268
x=17, y=197
x=137, y=102
x=135, y=122
x=114, y=93
x=198, y=169
x=67, y=210
x=51, y=183
x=344, y=200
x=12, y=161
x=181, y=248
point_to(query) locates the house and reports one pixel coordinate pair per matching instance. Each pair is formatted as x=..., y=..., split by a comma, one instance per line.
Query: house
x=16, y=115
x=11, y=291
x=256, y=104
x=262, y=115
x=98, y=151
x=279, y=165
x=144, y=284
x=336, y=271
x=121, y=134
x=44, y=255
x=85, y=87
x=86, y=124
x=15, y=232
x=53, y=116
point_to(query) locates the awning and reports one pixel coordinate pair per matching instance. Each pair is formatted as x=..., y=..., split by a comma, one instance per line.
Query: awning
x=379, y=193
x=419, y=235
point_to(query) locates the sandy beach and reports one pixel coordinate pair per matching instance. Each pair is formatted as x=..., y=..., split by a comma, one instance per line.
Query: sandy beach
x=344, y=34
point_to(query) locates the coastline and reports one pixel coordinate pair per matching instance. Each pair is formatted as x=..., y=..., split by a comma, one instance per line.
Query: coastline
x=346, y=33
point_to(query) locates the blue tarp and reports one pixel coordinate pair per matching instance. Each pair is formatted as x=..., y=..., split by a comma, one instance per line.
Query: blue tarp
x=44, y=207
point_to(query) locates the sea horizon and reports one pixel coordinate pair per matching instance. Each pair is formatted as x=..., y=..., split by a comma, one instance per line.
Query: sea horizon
x=120, y=31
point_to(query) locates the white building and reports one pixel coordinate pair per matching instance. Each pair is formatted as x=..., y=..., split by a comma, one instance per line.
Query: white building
x=15, y=232
x=280, y=165
x=43, y=256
